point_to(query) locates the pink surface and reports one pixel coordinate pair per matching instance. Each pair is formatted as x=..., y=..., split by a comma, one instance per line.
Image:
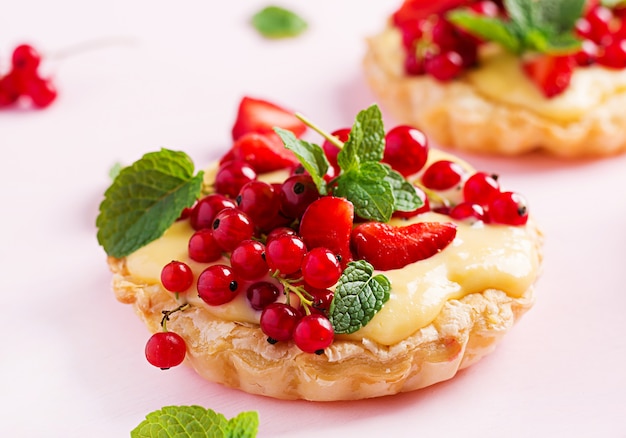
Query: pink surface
x=72, y=357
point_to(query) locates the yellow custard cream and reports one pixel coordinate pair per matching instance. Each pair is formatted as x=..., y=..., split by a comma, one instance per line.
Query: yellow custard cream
x=480, y=257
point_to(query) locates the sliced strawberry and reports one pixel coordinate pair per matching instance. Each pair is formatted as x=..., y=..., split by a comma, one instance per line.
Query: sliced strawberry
x=263, y=152
x=389, y=247
x=413, y=11
x=552, y=74
x=327, y=223
x=256, y=115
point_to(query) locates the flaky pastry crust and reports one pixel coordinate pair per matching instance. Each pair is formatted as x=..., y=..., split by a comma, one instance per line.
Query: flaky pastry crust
x=239, y=356
x=456, y=115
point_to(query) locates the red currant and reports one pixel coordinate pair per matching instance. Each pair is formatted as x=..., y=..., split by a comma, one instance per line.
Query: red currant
x=279, y=231
x=165, y=350
x=285, y=254
x=320, y=268
x=202, y=246
x=205, y=210
x=42, y=92
x=508, y=208
x=442, y=175
x=26, y=58
x=322, y=298
x=313, y=333
x=406, y=149
x=232, y=176
x=262, y=294
x=468, y=211
x=231, y=227
x=444, y=66
x=614, y=55
x=248, y=260
x=278, y=321
x=11, y=88
x=217, y=285
x=481, y=188
x=176, y=276
x=332, y=151
x=296, y=194
x=259, y=201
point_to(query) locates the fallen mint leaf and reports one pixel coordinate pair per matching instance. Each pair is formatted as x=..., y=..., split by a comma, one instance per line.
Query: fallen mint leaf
x=277, y=22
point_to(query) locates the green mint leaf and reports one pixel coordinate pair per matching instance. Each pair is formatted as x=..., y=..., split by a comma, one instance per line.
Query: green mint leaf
x=195, y=422
x=521, y=13
x=115, y=170
x=366, y=141
x=369, y=192
x=145, y=199
x=559, y=15
x=311, y=156
x=277, y=22
x=563, y=44
x=405, y=196
x=613, y=3
x=487, y=28
x=359, y=295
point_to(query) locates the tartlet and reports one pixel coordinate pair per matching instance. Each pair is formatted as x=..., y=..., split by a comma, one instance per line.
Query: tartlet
x=491, y=103
x=445, y=308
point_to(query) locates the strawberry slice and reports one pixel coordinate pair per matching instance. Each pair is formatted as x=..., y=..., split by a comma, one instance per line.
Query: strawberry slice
x=263, y=152
x=389, y=247
x=413, y=11
x=257, y=115
x=552, y=74
x=327, y=223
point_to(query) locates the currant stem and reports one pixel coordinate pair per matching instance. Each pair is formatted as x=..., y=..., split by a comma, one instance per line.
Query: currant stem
x=331, y=138
x=167, y=313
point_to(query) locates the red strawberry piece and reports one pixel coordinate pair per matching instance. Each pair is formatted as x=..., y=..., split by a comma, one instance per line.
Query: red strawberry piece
x=390, y=247
x=256, y=115
x=263, y=152
x=327, y=223
x=413, y=11
x=552, y=74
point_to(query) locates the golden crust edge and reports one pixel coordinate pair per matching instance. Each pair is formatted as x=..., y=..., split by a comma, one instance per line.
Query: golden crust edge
x=239, y=356
x=455, y=115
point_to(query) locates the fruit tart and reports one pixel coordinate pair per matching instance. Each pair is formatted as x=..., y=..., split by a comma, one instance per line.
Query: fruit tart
x=367, y=266
x=506, y=77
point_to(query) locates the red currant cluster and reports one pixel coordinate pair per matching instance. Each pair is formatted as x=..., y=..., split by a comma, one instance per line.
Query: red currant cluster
x=603, y=32
x=24, y=80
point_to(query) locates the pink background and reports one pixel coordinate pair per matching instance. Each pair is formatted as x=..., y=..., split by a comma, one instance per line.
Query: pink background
x=72, y=361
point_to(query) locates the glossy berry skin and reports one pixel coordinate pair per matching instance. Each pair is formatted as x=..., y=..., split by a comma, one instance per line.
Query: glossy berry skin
x=444, y=66
x=468, y=211
x=425, y=207
x=258, y=115
x=165, y=350
x=313, y=333
x=278, y=321
x=481, y=188
x=10, y=89
x=232, y=176
x=26, y=59
x=231, y=227
x=442, y=175
x=285, y=254
x=202, y=246
x=320, y=268
x=42, y=92
x=296, y=194
x=279, y=231
x=322, y=298
x=176, y=276
x=217, y=285
x=262, y=294
x=263, y=152
x=406, y=149
x=260, y=202
x=204, y=212
x=248, y=260
x=331, y=151
x=614, y=55
x=508, y=208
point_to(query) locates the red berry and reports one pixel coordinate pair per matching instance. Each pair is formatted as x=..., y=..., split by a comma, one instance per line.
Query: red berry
x=231, y=227
x=588, y=53
x=279, y=231
x=217, y=285
x=263, y=152
x=551, y=74
x=406, y=149
x=444, y=66
x=313, y=333
x=262, y=294
x=599, y=19
x=442, y=175
x=285, y=254
x=232, y=176
x=202, y=246
x=481, y=188
x=332, y=151
x=26, y=59
x=258, y=115
x=176, y=276
x=11, y=87
x=248, y=260
x=42, y=92
x=322, y=298
x=260, y=202
x=320, y=268
x=508, y=208
x=296, y=194
x=278, y=321
x=614, y=55
x=468, y=211
x=205, y=210
x=165, y=350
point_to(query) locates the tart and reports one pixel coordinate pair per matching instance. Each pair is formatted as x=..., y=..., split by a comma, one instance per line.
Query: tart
x=280, y=279
x=437, y=66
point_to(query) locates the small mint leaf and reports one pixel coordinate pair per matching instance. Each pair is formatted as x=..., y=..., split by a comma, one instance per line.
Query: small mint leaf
x=406, y=198
x=277, y=22
x=359, y=295
x=487, y=28
x=145, y=199
x=311, y=156
x=115, y=170
x=521, y=13
x=371, y=195
x=563, y=44
x=366, y=141
x=195, y=422
x=559, y=15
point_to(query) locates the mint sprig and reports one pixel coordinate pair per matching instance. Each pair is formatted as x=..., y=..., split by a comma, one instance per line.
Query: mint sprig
x=375, y=190
x=196, y=422
x=277, y=22
x=145, y=199
x=532, y=26
x=359, y=295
